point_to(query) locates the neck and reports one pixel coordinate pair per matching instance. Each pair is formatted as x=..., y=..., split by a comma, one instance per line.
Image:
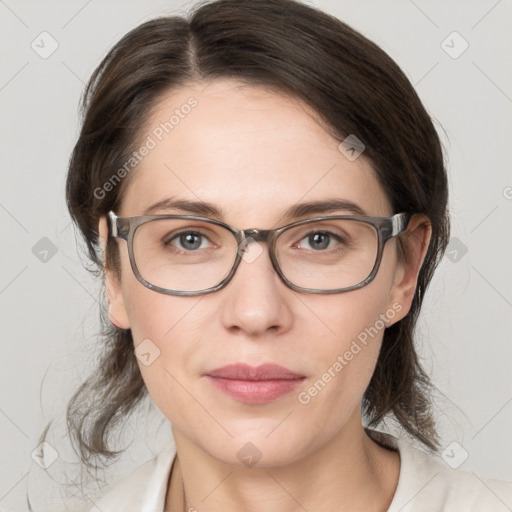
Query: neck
x=351, y=472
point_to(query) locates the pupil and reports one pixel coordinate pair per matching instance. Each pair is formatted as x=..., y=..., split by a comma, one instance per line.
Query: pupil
x=190, y=241
x=319, y=240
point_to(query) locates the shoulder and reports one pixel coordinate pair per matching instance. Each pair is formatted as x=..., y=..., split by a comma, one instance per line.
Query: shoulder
x=143, y=490
x=428, y=483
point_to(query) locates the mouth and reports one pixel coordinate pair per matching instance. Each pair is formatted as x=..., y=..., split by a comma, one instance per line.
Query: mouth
x=254, y=385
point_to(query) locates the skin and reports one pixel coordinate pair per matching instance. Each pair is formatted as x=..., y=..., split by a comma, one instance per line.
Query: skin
x=254, y=153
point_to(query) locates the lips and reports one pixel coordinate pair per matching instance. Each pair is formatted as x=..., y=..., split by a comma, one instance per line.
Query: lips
x=242, y=371
x=254, y=385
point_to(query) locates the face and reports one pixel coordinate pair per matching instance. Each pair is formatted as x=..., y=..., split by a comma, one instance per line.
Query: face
x=253, y=154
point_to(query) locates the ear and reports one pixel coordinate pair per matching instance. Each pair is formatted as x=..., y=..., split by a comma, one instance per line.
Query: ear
x=117, y=313
x=415, y=241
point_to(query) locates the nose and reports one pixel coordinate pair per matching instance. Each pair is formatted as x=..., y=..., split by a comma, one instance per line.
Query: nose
x=256, y=301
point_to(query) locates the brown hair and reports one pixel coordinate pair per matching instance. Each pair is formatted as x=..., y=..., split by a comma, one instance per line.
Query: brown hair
x=353, y=85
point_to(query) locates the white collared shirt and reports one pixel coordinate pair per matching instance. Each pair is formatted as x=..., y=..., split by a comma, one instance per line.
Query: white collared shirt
x=426, y=484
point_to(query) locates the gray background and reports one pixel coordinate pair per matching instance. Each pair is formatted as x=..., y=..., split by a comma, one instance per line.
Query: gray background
x=49, y=302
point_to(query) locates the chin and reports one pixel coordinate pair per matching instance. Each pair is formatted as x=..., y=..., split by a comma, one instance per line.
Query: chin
x=251, y=451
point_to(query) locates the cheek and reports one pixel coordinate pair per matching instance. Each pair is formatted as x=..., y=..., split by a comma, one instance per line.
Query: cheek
x=166, y=331
x=359, y=314
x=345, y=356
x=171, y=323
x=163, y=328
x=174, y=338
x=152, y=315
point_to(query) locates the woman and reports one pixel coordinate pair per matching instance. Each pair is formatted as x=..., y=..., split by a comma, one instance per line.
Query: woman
x=271, y=201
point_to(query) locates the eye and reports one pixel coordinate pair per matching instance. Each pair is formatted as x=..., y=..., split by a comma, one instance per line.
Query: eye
x=188, y=241
x=320, y=240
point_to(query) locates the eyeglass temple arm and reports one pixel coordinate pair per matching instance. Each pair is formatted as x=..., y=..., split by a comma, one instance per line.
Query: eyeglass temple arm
x=400, y=221
x=113, y=228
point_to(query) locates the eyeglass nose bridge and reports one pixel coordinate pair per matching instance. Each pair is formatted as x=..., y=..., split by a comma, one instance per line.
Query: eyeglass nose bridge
x=246, y=236
x=255, y=235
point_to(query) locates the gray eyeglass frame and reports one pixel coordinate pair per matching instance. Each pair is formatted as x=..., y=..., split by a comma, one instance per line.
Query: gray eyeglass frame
x=386, y=227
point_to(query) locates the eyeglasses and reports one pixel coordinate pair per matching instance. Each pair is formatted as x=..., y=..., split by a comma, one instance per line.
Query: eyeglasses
x=190, y=255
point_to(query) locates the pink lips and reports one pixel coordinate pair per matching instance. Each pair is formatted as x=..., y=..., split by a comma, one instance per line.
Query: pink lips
x=255, y=385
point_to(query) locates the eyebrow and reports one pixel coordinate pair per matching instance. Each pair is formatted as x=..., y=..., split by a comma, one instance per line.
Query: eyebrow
x=186, y=206
x=206, y=209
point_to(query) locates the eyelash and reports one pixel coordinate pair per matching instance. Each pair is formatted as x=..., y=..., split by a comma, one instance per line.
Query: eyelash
x=167, y=240
x=336, y=236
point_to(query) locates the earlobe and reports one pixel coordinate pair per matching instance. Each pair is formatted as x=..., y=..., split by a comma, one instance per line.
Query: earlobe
x=117, y=313
x=415, y=242
x=116, y=308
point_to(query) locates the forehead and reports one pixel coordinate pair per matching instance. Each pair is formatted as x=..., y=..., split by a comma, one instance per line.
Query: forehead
x=250, y=151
